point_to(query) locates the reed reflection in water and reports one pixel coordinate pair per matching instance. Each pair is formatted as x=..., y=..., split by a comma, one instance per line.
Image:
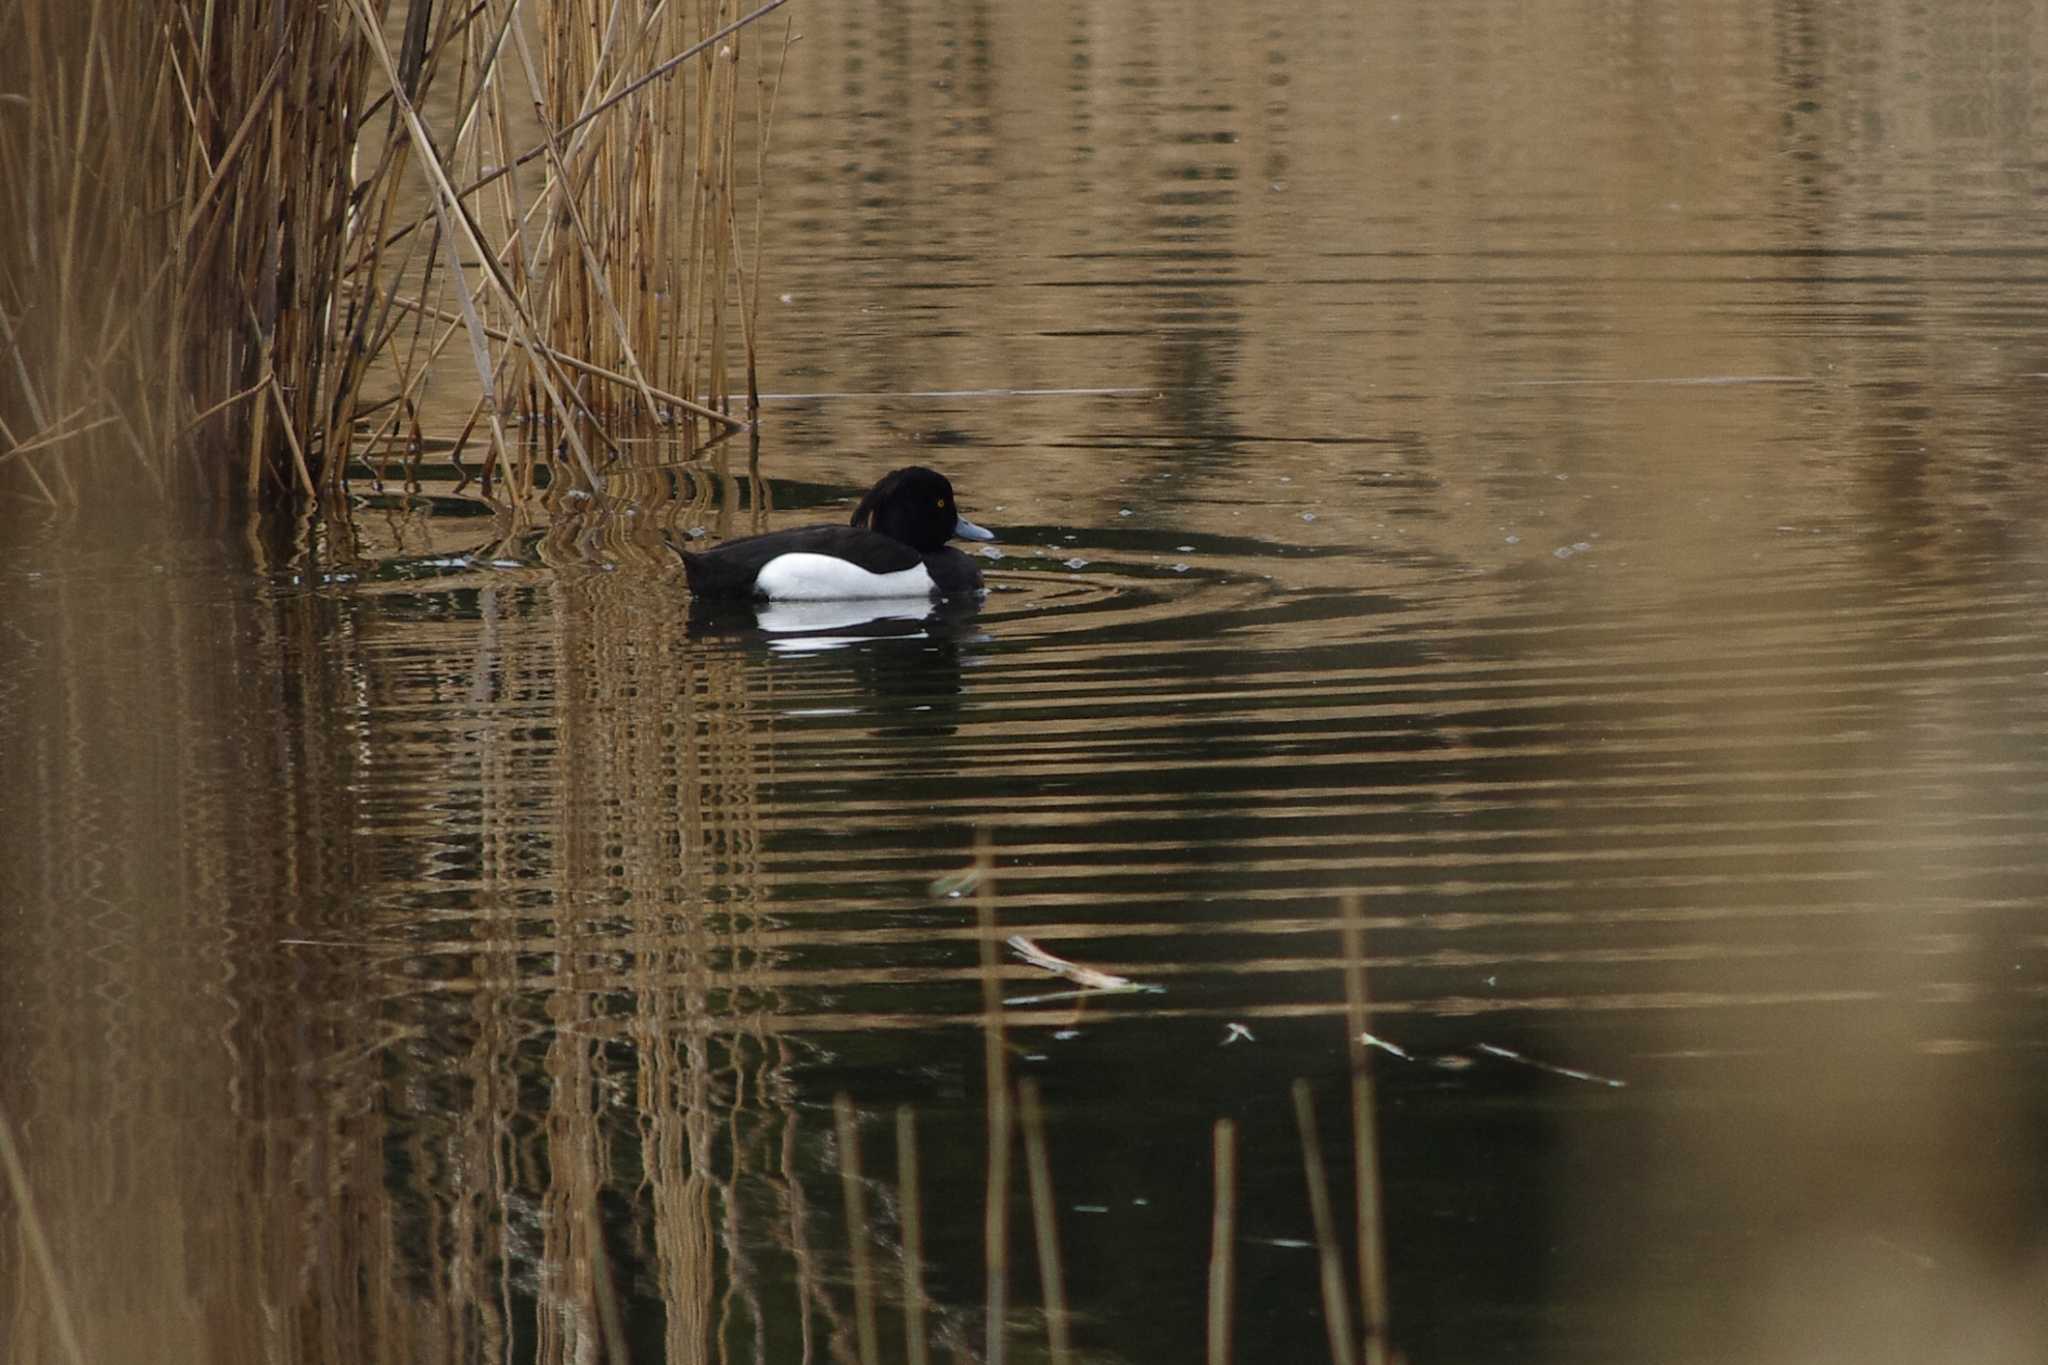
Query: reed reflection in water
x=380, y=1029
x=463, y=967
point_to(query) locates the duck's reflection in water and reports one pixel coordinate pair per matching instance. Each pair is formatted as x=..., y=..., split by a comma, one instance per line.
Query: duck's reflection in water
x=902, y=654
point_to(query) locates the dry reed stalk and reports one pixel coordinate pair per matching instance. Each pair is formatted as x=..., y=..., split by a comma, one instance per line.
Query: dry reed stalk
x=767, y=95
x=458, y=224
x=1044, y=1219
x=907, y=1182
x=1336, y=1316
x=857, y=1230
x=165, y=211
x=570, y=362
x=38, y=1243
x=625, y=90
x=1372, y=1275
x=587, y=250
x=996, y=1196
x=611, y=218
x=291, y=437
x=1222, y=1242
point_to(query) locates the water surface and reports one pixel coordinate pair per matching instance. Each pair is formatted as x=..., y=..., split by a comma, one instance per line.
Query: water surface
x=1567, y=480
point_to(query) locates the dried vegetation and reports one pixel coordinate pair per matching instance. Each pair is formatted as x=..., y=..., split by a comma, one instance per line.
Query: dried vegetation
x=256, y=242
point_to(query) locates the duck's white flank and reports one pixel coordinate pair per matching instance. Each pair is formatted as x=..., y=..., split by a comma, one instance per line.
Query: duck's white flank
x=799, y=577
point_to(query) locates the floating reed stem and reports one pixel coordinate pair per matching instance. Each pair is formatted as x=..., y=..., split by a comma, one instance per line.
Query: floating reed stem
x=857, y=1231
x=1372, y=1275
x=1336, y=1316
x=1222, y=1242
x=915, y=1350
x=996, y=1197
x=1044, y=1219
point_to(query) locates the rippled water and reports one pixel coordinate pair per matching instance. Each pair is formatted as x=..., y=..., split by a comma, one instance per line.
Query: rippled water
x=1567, y=480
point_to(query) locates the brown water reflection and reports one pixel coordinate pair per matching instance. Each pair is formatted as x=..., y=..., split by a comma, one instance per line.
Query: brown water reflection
x=1567, y=478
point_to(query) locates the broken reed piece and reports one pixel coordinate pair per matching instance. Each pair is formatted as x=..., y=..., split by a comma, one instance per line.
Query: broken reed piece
x=1073, y=971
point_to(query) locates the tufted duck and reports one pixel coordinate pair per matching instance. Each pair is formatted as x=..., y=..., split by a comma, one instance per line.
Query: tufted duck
x=894, y=546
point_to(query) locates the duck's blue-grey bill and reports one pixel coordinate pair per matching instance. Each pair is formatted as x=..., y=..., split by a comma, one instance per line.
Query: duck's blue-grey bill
x=967, y=530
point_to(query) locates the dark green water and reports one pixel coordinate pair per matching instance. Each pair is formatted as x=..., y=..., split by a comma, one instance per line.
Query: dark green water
x=1570, y=481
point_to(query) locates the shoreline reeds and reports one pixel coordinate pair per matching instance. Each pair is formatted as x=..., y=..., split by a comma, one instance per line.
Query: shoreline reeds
x=253, y=234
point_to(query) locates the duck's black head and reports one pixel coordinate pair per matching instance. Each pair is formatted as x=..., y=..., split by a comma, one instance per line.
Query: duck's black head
x=915, y=505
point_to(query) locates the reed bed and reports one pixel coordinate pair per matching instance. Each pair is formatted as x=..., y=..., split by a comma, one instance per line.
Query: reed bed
x=255, y=239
